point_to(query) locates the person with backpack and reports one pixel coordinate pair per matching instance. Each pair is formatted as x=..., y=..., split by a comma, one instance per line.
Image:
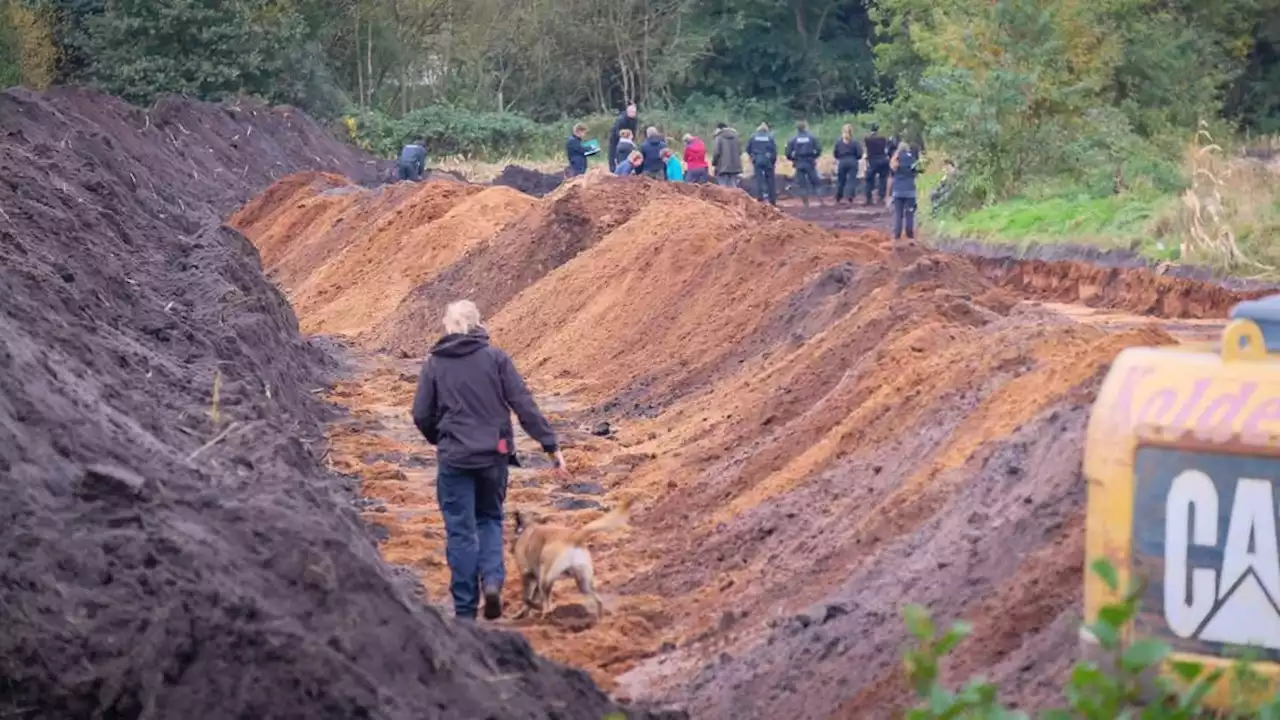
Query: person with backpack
x=763, y=151
x=877, y=149
x=904, y=167
x=848, y=152
x=803, y=150
x=412, y=164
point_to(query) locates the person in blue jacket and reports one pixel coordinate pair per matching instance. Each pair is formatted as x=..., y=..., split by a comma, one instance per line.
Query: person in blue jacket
x=675, y=171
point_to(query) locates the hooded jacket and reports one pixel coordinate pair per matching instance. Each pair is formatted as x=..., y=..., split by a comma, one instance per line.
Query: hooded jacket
x=727, y=156
x=466, y=392
x=695, y=154
x=652, y=149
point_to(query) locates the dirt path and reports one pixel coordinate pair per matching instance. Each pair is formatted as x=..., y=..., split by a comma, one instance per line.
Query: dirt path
x=816, y=428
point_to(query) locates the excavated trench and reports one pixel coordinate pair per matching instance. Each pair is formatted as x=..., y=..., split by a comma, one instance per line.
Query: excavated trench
x=817, y=427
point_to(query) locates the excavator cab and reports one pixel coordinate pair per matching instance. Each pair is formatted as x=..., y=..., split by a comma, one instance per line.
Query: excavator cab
x=1182, y=461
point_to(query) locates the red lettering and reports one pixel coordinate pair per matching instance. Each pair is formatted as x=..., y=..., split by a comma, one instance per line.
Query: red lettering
x=1229, y=405
x=1252, y=431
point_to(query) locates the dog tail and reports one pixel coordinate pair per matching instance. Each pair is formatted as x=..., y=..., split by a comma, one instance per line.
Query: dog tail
x=613, y=520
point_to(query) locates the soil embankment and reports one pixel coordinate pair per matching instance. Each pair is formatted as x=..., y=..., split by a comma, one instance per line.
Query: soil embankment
x=173, y=546
x=817, y=429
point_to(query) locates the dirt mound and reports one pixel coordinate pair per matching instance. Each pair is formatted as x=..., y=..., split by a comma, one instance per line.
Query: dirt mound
x=528, y=181
x=351, y=255
x=570, y=221
x=817, y=428
x=173, y=547
x=1138, y=290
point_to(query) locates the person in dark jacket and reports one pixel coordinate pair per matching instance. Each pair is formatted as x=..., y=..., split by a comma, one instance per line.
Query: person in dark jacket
x=626, y=144
x=466, y=393
x=877, y=149
x=412, y=164
x=904, y=166
x=726, y=156
x=848, y=152
x=576, y=151
x=654, y=165
x=803, y=151
x=763, y=151
x=626, y=120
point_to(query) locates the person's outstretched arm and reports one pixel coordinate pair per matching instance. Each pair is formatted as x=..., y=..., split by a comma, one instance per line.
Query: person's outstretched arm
x=521, y=401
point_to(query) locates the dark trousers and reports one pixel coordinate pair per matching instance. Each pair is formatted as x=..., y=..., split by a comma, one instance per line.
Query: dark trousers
x=877, y=178
x=904, y=217
x=471, y=501
x=728, y=179
x=808, y=180
x=408, y=172
x=613, y=157
x=698, y=176
x=765, y=184
x=846, y=180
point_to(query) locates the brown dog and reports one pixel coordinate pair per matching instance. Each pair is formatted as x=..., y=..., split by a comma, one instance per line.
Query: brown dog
x=545, y=552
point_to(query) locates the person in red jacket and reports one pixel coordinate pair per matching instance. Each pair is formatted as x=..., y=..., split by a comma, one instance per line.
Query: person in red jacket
x=696, y=169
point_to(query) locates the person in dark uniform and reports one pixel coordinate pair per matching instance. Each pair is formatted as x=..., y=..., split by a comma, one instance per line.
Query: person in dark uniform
x=803, y=151
x=412, y=164
x=877, y=149
x=763, y=151
x=848, y=152
x=626, y=120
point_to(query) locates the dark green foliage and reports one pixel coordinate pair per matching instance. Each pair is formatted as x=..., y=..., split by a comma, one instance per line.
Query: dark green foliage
x=210, y=49
x=450, y=131
x=1092, y=692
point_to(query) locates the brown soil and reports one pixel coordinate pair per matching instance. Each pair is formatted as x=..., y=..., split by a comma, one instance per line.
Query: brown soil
x=173, y=547
x=818, y=428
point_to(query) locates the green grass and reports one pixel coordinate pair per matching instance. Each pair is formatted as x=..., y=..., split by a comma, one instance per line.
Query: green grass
x=1138, y=223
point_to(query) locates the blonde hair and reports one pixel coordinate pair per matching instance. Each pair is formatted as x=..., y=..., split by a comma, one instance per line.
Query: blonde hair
x=580, y=127
x=846, y=133
x=625, y=133
x=764, y=127
x=651, y=132
x=635, y=155
x=893, y=161
x=461, y=317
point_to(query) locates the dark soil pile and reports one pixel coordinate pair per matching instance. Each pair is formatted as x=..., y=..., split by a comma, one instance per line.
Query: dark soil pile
x=172, y=547
x=528, y=181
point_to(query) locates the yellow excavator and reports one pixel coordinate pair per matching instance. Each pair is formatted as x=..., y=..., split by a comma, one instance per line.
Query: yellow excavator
x=1182, y=460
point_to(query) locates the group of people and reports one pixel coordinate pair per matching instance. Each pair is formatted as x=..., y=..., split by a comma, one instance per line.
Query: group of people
x=889, y=166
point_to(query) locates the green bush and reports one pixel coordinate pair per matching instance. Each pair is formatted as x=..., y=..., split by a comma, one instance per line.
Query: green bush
x=1092, y=692
x=453, y=131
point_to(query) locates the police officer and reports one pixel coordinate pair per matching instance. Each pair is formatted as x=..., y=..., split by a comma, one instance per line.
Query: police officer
x=763, y=151
x=803, y=151
x=412, y=164
x=878, y=149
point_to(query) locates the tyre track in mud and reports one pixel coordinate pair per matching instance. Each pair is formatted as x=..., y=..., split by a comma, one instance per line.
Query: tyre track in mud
x=817, y=429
